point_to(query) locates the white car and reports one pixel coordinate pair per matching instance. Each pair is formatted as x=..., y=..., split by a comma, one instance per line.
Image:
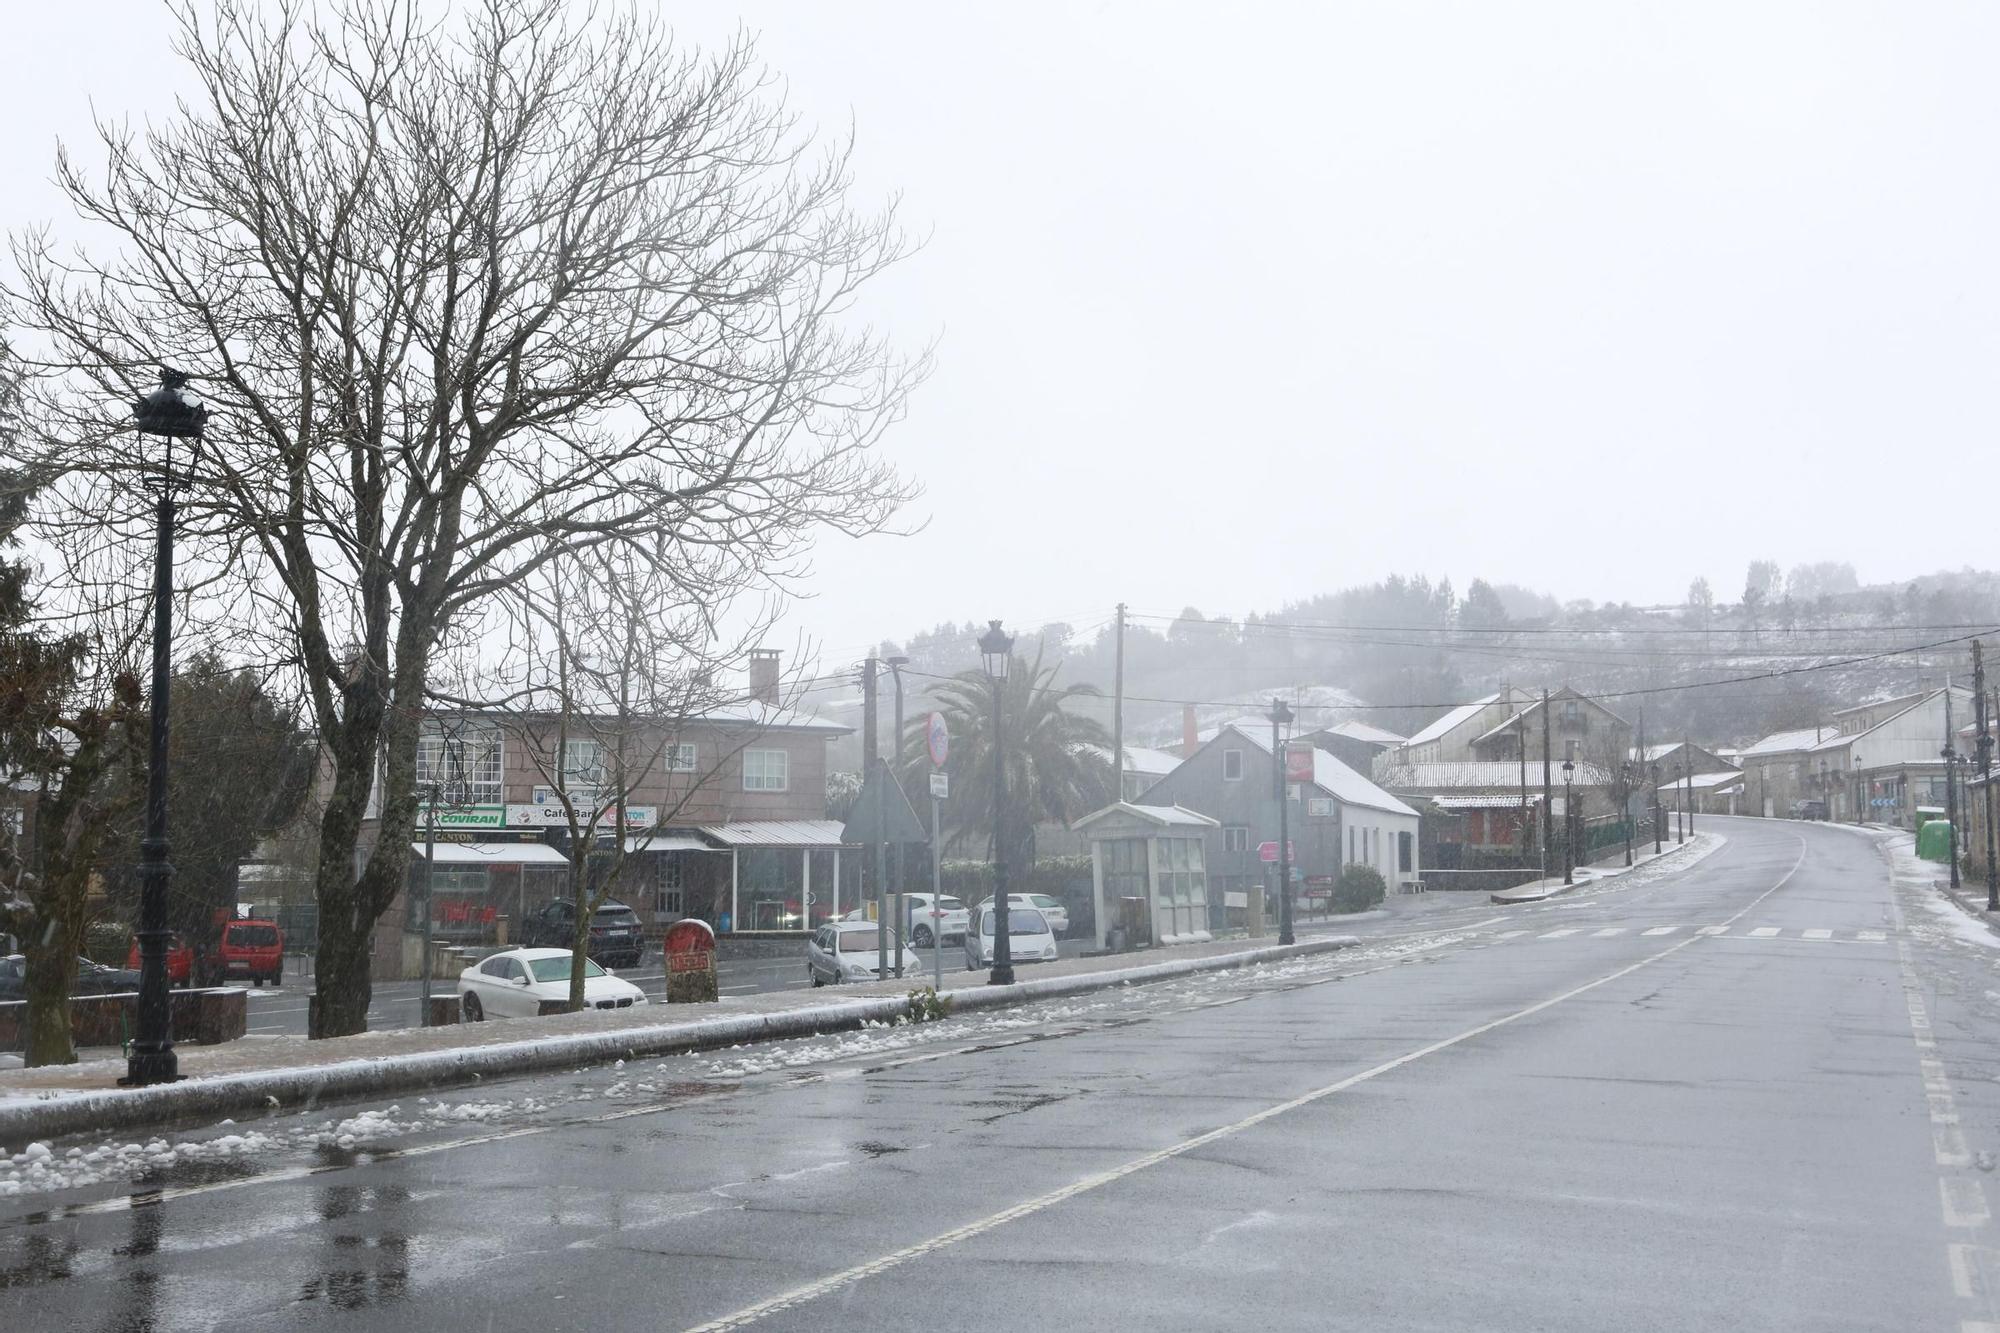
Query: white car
x=1029, y=939
x=947, y=922
x=526, y=983
x=1052, y=908
x=847, y=951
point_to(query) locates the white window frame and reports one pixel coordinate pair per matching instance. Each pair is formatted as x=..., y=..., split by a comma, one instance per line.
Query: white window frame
x=1235, y=756
x=465, y=761
x=681, y=757
x=670, y=885
x=763, y=782
x=1235, y=837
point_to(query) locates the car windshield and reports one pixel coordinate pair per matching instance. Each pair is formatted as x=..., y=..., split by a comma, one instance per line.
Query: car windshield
x=1020, y=921
x=1043, y=900
x=254, y=937
x=862, y=941
x=557, y=969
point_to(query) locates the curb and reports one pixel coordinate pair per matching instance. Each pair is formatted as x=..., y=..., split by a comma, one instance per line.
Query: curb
x=1502, y=898
x=297, y=1088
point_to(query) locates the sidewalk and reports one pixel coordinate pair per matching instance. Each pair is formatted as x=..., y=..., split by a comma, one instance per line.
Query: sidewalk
x=1965, y=905
x=273, y=1072
x=1672, y=855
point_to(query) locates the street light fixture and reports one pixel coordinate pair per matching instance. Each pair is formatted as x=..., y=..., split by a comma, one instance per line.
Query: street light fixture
x=1569, y=823
x=996, y=650
x=170, y=412
x=896, y=866
x=1281, y=715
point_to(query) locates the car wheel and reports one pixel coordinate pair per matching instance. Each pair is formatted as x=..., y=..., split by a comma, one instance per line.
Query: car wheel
x=921, y=937
x=470, y=1011
x=258, y=981
x=813, y=972
x=278, y=977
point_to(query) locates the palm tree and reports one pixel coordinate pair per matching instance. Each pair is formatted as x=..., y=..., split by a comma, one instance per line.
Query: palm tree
x=1058, y=762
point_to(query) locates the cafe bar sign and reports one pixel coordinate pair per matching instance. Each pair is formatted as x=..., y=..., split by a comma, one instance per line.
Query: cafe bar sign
x=552, y=815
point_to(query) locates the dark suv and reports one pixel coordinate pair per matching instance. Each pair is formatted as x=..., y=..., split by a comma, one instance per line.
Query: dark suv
x=616, y=938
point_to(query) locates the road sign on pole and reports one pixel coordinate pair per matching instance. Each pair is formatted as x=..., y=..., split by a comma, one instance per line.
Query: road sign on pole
x=1267, y=852
x=940, y=786
x=937, y=738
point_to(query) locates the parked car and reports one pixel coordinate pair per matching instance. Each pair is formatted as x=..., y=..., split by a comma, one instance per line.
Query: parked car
x=1029, y=939
x=91, y=978
x=180, y=961
x=250, y=948
x=616, y=937
x=847, y=951
x=1051, y=908
x=920, y=928
x=526, y=983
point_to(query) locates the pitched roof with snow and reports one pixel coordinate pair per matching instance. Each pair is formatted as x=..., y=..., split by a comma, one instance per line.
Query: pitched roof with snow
x=1785, y=742
x=1452, y=721
x=1361, y=731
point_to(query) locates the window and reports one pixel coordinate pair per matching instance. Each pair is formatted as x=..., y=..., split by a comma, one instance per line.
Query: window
x=1405, y=850
x=680, y=758
x=669, y=885
x=15, y=818
x=463, y=760
x=1232, y=765
x=557, y=969
x=1570, y=711
x=583, y=771
x=494, y=967
x=1235, y=837
x=766, y=770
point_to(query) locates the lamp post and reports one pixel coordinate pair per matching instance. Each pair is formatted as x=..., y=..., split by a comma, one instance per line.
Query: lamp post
x=1281, y=715
x=1569, y=823
x=996, y=649
x=1659, y=815
x=1951, y=809
x=171, y=413
x=1625, y=807
x=1680, y=803
x=431, y=794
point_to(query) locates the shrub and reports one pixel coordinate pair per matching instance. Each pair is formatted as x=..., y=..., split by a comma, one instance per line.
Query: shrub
x=108, y=942
x=1359, y=888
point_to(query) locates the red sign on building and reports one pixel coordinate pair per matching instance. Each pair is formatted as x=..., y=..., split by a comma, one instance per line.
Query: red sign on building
x=1298, y=762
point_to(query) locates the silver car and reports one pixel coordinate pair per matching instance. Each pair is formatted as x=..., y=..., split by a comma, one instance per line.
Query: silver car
x=847, y=951
x=1029, y=939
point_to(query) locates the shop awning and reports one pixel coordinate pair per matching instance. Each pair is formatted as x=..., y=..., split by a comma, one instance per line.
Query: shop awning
x=778, y=833
x=666, y=842
x=494, y=854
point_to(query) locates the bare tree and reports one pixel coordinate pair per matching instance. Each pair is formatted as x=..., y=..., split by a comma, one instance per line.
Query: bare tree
x=606, y=663
x=466, y=298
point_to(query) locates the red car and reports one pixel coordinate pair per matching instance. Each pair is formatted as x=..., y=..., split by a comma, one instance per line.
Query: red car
x=250, y=948
x=180, y=961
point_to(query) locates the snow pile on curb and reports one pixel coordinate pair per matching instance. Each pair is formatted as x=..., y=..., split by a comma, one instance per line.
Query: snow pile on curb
x=49, y=1116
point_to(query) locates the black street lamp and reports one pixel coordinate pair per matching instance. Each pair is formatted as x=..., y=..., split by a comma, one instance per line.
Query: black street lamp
x=1281, y=715
x=1569, y=823
x=1680, y=801
x=1659, y=814
x=172, y=413
x=1950, y=758
x=996, y=649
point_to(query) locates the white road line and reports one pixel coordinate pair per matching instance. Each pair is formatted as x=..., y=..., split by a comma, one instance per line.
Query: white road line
x=1713, y=930
x=1510, y=934
x=1763, y=932
x=848, y=1277
x=1874, y=936
x=1660, y=930
x=1818, y=934
x=1964, y=1202
x=1608, y=932
x=1558, y=934
x=1948, y=1146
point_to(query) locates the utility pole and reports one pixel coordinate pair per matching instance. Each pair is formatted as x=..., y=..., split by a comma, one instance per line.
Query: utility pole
x=1281, y=713
x=1118, y=711
x=1985, y=753
x=1521, y=744
x=871, y=750
x=896, y=665
x=430, y=910
x=1950, y=757
x=1548, y=796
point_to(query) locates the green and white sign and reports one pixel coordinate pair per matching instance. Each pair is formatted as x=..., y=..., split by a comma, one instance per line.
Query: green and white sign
x=466, y=816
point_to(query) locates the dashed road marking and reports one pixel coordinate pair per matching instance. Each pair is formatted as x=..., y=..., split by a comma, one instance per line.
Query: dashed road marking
x=1608, y=932
x=1763, y=932
x=1964, y=1202
x=1660, y=930
x=1558, y=934
x=1818, y=934
x=1713, y=930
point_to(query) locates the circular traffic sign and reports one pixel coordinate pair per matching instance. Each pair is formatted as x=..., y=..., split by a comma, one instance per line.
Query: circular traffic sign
x=937, y=738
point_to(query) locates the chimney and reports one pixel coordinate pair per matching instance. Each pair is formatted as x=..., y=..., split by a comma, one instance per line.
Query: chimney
x=1189, y=742
x=764, y=676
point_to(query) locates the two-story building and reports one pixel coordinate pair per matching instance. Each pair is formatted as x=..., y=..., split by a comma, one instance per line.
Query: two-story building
x=725, y=819
x=1338, y=819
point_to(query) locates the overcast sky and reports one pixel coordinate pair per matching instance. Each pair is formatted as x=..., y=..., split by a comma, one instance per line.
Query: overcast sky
x=1242, y=303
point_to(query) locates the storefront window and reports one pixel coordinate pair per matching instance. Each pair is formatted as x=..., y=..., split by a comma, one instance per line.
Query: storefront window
x=769, y=889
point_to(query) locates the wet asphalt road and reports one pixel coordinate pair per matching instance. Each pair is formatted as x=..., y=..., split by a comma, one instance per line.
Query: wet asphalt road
x=1584, y=1115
